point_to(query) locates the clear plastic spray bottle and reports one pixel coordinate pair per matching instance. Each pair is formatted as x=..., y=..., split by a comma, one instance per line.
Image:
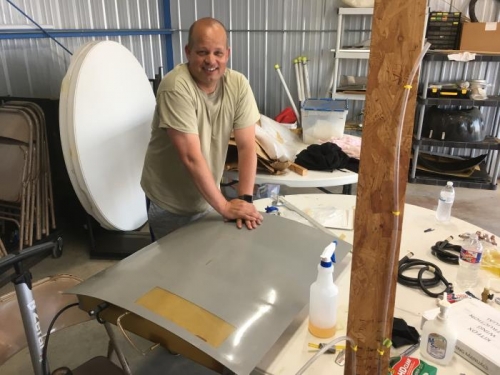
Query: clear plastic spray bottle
x=323, y=297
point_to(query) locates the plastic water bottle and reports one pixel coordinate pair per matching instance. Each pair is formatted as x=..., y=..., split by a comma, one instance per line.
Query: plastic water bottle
x=446, y=198
x=469, y=263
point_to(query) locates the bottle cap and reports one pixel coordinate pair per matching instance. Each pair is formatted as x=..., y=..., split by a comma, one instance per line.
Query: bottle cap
x=449, y=183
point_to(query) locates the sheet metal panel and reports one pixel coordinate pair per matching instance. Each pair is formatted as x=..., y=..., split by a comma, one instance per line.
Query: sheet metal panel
x=256, y=281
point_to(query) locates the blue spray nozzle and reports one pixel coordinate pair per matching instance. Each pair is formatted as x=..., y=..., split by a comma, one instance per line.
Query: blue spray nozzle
x=271, y=209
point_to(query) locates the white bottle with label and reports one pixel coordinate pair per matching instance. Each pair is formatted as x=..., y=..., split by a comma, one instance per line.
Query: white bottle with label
x=323, y=298
x=439, y=337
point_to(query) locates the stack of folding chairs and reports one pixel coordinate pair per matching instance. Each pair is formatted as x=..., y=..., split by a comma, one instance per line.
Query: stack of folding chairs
x=25, y=182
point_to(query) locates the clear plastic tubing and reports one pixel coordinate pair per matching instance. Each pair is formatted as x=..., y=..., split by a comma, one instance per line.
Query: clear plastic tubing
x=328, y=346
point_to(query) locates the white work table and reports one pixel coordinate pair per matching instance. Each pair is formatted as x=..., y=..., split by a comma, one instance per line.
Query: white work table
x=317, y=179
x=291, y=352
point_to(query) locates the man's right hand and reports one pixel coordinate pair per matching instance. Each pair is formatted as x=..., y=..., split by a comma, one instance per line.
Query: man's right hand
x=242, y=211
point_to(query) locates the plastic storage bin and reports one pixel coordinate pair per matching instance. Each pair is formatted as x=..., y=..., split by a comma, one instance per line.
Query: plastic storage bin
x=323, y=119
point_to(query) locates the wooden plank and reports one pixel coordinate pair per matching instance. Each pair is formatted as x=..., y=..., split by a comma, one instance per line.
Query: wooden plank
x=397, y=39
x=300, y=170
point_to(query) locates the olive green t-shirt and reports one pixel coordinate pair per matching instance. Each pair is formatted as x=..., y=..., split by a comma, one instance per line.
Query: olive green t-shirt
x=182, y=106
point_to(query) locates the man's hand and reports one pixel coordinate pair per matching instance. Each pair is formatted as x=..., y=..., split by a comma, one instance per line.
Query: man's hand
x=242, y=211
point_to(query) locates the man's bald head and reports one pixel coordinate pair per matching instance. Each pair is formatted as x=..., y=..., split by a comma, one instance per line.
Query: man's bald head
x=200, y=25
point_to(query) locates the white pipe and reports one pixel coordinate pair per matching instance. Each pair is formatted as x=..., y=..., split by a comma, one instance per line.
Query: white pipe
x=297, y=77
x=301, y=73
x=277, y=67
x=306, y=78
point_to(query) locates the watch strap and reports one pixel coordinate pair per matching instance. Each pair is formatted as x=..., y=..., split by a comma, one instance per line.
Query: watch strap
x=246, y=197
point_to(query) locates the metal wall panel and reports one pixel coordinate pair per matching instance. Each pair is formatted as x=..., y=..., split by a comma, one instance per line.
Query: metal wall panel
x=268, y=32
x=36, y=67
x=263, y=33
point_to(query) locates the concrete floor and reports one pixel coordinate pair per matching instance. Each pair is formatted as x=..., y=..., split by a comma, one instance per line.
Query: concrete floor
x=73, y=346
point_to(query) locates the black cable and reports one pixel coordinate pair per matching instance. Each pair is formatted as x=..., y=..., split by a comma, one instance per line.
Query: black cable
x=446, y=252
x=46, y=344
x=407, y=263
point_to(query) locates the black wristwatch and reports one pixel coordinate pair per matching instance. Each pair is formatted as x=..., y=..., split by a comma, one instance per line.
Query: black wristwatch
x=246, y=197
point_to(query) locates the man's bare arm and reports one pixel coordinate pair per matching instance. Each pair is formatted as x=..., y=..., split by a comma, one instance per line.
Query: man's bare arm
x=189, y=150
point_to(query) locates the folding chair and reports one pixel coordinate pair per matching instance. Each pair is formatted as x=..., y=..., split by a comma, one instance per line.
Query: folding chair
x=47, y=201
x=3, y=252
x=34, y=205
x=16, y=148
x=40, y=217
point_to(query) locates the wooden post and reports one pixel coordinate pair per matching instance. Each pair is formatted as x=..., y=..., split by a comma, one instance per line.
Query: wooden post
x=397, y=39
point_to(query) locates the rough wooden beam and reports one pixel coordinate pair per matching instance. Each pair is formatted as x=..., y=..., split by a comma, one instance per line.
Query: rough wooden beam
x=397, y=39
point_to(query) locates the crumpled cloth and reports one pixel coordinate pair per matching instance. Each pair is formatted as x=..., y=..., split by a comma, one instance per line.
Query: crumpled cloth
x=462, y=56
x=403, y=334
x=350, y=144
x=325, y=157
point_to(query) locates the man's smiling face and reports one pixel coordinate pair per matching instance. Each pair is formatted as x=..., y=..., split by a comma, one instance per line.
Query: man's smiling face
x=207, y=55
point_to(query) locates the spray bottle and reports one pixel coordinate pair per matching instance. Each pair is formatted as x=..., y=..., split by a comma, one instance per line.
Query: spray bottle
x=439, y=337
x=323, y=297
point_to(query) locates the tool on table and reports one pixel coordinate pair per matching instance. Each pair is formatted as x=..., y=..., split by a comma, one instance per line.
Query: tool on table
x=280, y=200
x=331, y=350
x=340, y=360
x=409, y=351
x=486, y=295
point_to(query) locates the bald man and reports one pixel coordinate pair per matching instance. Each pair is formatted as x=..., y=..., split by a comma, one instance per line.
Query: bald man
x=198, y=105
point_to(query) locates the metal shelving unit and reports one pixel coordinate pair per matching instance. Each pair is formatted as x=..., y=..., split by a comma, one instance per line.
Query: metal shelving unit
x=489, y=144
x=347, y=53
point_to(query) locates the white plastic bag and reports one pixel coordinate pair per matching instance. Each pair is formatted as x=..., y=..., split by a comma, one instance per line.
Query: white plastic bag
x=281, y=142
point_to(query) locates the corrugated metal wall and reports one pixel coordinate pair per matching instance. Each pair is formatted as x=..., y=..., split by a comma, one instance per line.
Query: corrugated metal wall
x=36, y=67
x=262, y=33
x=268, y=32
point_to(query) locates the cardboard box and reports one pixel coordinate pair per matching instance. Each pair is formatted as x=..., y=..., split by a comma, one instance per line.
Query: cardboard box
x=480, y=37
x=323, y=119
x=478, y=327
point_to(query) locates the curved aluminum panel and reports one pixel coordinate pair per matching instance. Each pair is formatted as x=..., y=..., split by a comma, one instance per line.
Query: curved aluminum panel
x=255, y=281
